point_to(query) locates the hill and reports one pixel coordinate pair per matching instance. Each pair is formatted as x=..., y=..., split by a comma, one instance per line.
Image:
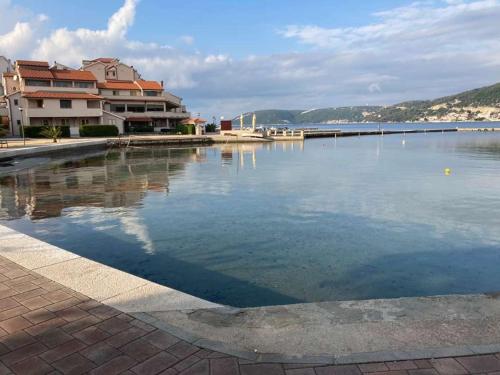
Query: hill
x=482, y=104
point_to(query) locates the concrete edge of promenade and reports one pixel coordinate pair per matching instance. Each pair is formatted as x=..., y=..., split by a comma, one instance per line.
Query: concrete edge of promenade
x=338, y=332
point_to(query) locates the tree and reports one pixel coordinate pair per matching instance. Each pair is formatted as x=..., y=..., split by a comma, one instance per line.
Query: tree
x=52, y=132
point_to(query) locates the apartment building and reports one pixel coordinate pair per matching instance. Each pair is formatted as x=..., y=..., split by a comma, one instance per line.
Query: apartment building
x=103, y=91
x=39, y=95
x=143, y=105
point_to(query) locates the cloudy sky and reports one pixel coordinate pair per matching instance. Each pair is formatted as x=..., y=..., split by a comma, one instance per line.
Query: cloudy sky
x=230, y=56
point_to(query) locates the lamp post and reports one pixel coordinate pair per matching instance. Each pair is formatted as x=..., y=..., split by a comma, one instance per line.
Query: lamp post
x=21, y=109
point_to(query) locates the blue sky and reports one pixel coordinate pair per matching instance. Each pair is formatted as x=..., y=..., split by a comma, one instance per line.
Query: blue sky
x=224, y=57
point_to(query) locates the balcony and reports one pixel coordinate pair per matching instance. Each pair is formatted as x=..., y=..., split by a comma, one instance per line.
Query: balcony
x=156, y=114
x=64, y=113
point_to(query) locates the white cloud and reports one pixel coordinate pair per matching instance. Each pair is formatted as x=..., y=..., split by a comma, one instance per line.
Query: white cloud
x=423, y=50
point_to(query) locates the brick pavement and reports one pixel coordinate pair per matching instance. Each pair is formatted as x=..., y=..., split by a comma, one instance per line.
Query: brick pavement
x=46, y=328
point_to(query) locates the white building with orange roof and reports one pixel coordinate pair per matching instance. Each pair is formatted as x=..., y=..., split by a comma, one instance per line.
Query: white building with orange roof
x=39, y=95
x=144, y=105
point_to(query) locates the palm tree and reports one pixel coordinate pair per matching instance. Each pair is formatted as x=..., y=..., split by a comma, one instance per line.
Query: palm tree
x=52, y=132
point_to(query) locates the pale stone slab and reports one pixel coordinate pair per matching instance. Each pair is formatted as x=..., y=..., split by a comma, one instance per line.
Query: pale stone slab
x=31, y=253
x=93, y=279
x=155, y=297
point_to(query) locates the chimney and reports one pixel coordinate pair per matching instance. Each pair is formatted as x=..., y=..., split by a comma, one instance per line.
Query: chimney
x=161, y=84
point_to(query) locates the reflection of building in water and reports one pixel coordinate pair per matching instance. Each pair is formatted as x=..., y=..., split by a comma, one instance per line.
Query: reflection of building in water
x=121, y=179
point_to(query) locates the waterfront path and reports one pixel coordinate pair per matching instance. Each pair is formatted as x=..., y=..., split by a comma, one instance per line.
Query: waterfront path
x=48, y=328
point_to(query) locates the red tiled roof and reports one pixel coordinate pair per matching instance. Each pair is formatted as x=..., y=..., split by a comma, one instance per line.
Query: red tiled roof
x=60, y=95
x=39, y=74
x=149, y=85
x=8, y=74
x=32, y=63
x=105, y=59
x=72, y=75
x=118, y=85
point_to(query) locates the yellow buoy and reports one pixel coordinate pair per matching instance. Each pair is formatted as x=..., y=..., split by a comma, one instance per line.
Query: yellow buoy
x=447, y=171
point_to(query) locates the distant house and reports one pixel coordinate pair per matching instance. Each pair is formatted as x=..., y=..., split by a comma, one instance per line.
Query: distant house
x=104, y=91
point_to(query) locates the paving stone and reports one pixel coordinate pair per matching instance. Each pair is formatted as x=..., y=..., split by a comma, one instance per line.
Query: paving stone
x=423, y=363
x=205, y=353
x=161, y=339
x=144, y=326
x=89, y=305
x=54, y=337
x=426, y=371
x=262, y=368
x=140, y=350
x=100, y=353
x=15, y=324
x=72, y=313
x=125, y=337
x=57, y=296
x=39, y=315
x=155, y=364
x=115, y=366
x=74, y=364
x=182, y=349
x=22, y=353
x=200, y=368
x=402, y=365
x=78, y=325
x=481, y=363
x=300, y=371
x=63, y=350
x=125, y=317
x=36, y=303
x=373, y=367
x=32, y=366
x=8, y=303
x=448, y=366
x=17, y=340
x=24, y=287
x=224, y=366
x=169, y=371
x=91, y=335
x=114, y=325
x=4, y=370
x=13, y=312
x=63, y=304
x=338, y=370
x=104, y=312
x=41, y=328
x=28, y=295
x=186, y=362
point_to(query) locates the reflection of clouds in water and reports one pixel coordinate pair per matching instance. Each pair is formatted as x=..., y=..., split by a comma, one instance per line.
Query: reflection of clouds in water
x=129, y=222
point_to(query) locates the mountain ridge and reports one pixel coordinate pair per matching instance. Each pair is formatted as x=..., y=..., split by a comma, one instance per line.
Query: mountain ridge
x=480, y=104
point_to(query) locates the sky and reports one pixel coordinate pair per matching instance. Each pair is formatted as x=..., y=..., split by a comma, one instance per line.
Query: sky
x=224, y=57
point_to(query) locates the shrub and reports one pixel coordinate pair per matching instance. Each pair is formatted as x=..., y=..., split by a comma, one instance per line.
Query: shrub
x=210, y=128
x=98, y=131
x=51, y=132
x=185, y=129
x=36, y=131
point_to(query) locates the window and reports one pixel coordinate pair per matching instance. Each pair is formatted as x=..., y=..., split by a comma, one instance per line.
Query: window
x=150, y=93
x=136, y=108
x=155, y=108
x=39, y=103
x=16, y=102
x=63, y=84
x=18, y=122
x=65, y=122
x=14, y=88
x=93, y=104
x=45, y=122
x=84, y=121
x=133, y=92
x=117, y=107
x=116, y=92
x=84, y=85
x=64, y=103
x=37, y=82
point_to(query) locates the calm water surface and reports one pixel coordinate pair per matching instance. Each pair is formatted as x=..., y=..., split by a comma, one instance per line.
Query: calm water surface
x=249, y=225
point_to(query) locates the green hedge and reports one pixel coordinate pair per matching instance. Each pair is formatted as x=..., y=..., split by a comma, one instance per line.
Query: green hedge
x=185, y=129
x=34, y=131
x=98, y=131
x=210, y=128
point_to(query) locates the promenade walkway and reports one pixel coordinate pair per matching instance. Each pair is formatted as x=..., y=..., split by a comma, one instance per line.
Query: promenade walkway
x=46, y=328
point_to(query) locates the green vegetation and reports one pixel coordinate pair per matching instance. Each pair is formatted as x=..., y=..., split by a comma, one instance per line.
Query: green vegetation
x=51, y=132
x=36, y=131
x=464, y=106
x=210, y=128
x=185, y=129
x=98, y=131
